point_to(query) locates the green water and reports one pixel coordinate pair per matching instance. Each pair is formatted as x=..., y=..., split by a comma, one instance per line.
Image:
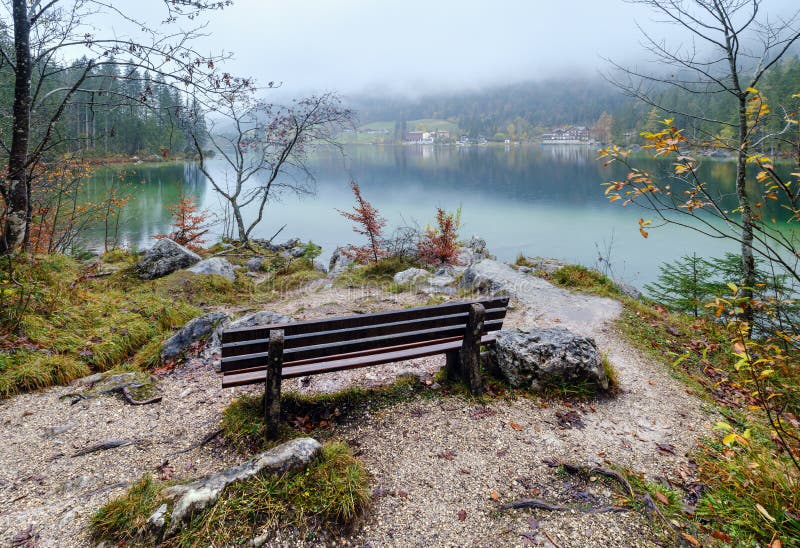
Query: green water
x=545, y=201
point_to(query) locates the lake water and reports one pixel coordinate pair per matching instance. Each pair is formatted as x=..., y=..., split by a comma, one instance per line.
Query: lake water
x=540, y=201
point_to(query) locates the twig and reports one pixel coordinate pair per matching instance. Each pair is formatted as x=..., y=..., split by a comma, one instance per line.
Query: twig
x=201, y=443
x=276, y=234
x=578, y=469
x=106, y=445
x=127, y=395
x=554, y=543
x=539, y=504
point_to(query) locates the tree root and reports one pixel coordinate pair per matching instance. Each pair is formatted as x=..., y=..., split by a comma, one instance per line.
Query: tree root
x=106, y=445
x=540, y=504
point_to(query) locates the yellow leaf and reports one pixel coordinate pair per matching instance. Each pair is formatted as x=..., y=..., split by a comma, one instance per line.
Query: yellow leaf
x=729, y=439
x=722, y=426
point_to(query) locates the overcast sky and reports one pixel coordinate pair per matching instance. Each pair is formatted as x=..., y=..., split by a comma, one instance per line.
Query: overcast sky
x=416, y=46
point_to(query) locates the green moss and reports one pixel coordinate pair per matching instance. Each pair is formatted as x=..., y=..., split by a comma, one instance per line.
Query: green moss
x=331, y=495
x=380, y=273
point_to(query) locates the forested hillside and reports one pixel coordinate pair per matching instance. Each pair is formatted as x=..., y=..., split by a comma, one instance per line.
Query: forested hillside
x=121, y=114
x=524, y=111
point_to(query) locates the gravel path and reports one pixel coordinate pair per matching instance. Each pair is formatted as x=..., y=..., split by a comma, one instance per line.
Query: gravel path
x=434, y=462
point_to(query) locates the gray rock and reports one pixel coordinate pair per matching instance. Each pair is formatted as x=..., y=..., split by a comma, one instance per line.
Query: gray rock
x=195, y=497
x=157, y=521
x=54, y=431
x=473, y=250
x=215, y=265
x=265, y=317
x=532, y=358
x=297, y=252
x=319, y=267
x=412, y=275
x=628, y=289
x=164, y=258
x=483, y=277
x=254, y=263
x=195, y=330
x=543, y=264
x=339, y=262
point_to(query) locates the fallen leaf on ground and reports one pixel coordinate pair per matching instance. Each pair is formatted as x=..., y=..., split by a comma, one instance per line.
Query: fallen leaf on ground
x=693, y=541
x=462, y=515
x=515, y=426
x=446, y=455
x=661, y=497
x=666, y=448
x=719, y=535
x=495, y=495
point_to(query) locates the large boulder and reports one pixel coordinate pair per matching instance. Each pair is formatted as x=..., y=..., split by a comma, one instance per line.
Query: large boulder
x=197, y=329
x=195, y=497
x=215, y=265
x=339, y=262
x=165, y=257
x=537, y=357
x=411, y=276
x=264, y=317
x=485, y=276
x=473, y=250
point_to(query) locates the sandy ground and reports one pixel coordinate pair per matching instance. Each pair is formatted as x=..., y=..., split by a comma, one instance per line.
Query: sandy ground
x=435, y=463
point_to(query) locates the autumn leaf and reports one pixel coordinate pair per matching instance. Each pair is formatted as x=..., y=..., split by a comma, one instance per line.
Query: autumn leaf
x=693, y=541
x=495, y=495
x=462, y=515
x=515, y=426
x=661, y=497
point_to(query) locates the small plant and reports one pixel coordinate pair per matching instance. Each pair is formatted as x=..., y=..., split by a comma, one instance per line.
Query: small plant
x=367, y=223
x=189, y=224
x=439, y=245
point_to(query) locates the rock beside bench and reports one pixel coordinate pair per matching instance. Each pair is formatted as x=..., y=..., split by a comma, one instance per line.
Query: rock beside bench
x=537, y=357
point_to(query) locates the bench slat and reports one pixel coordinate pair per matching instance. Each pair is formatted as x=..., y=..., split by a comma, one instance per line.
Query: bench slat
x=369, y=352
x=347, y=346
x=322, y=337
x=349, y=362
x=362, y=320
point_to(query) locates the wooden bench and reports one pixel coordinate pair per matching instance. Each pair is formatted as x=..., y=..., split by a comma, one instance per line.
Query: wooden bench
x=269, y=353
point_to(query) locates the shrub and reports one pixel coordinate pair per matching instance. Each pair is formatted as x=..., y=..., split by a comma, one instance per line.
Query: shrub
x=439, y=246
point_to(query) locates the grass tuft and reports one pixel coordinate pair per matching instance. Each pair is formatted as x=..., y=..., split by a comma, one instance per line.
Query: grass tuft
x=121, y=520
x=331, y=495
x=578, y=277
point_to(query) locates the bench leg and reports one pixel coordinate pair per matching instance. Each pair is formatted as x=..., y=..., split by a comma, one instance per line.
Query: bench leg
x=471, y=349
x=272, y=392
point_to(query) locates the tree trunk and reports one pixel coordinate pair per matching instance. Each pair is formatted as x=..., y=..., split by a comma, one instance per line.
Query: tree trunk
x=237, y=215
x=748, y=262
x=15, y=189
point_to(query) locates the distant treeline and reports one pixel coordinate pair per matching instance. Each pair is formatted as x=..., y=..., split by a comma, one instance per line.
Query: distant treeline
x=524, y=111
x=125, y=113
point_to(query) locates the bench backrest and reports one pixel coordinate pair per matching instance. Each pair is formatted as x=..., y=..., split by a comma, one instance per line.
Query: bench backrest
x=313, y=341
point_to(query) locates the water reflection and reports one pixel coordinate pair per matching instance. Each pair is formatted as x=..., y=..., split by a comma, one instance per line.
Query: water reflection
x=536, y=200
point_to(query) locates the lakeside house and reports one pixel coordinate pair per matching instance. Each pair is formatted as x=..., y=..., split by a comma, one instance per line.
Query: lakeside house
x=427, y=137
x=567, y=135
